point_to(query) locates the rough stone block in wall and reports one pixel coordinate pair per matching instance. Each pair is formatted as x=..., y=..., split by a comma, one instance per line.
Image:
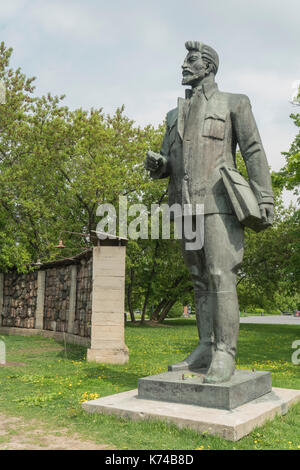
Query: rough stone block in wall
x=57, y=292
x=83, y=313
x=19, y=299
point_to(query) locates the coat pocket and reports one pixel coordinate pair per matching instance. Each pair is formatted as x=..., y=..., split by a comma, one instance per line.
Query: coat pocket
x=214, y=126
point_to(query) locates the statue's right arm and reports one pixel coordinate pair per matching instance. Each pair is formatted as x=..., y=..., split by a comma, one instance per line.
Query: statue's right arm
x=163, y=170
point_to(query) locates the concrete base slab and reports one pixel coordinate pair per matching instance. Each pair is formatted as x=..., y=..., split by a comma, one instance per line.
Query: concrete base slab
x=189, y=388
x=231, y=425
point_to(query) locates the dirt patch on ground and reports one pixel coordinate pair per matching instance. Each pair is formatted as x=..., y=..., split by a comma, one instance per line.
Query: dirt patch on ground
x=16, y=434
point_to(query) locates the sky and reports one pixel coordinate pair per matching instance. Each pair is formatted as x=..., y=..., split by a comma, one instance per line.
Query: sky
x=105, y=54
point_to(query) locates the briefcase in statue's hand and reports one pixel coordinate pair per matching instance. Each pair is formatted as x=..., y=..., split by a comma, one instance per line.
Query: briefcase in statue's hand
x=242, y=199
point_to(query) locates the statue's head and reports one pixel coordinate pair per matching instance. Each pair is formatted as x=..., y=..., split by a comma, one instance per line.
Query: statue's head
x=201, y=61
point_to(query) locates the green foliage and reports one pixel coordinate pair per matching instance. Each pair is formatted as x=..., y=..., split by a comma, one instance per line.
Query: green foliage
x=176, y=311
x=289, y=176
x=57, y=165
x=270, y=274
x=270, y=270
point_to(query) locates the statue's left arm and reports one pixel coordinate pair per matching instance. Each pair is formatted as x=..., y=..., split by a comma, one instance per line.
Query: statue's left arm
x=254, y=156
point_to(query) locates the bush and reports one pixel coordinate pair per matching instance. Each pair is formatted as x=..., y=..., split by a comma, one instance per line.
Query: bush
x=176, y=311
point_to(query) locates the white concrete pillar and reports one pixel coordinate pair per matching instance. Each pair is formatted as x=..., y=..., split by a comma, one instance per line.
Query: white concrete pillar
x=107, y=332
x=1, y=295
x=72, y=299
x=39, y=314
x=2, y=352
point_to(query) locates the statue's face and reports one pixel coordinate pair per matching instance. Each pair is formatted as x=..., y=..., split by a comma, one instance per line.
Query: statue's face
x=193, y=68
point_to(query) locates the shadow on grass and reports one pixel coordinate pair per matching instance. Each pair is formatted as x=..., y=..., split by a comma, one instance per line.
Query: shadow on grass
x=73, y=352
x=115, y=376
x=167, y=322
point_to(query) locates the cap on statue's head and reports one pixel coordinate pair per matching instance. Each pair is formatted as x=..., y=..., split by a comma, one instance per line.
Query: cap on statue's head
x=207, y=52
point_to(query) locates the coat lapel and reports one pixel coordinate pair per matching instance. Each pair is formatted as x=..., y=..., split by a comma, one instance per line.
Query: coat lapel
x=182, y=107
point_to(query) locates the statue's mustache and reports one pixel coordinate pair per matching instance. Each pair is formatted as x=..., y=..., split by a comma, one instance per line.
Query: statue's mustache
x=187, y=72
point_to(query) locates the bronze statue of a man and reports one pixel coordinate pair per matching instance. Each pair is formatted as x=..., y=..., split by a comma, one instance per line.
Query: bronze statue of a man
x=201, y=137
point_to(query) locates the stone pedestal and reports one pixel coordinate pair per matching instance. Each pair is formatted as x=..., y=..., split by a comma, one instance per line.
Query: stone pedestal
x=107, y=332
x=231, y=425
x=188, y=388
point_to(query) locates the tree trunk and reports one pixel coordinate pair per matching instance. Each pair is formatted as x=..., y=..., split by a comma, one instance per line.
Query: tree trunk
x=161, y=305
x=166, y=310
x=129, y=293
x=147, y=295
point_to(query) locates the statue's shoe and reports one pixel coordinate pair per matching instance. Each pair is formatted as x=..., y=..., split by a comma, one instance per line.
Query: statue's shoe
x=221, y=368
x=200, y=358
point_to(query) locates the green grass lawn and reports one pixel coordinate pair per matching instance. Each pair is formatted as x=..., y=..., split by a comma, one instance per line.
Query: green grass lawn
x=51, y=387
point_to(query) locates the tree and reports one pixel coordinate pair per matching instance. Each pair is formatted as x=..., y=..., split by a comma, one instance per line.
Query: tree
x=157, y=278
x=289, y=175
x=271, y=262
x=57, y=165
x=19, y=98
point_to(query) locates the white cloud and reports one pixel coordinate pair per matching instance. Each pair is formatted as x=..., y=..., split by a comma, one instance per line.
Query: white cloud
x=68, y=19
x=11, y=9
x=270, y=86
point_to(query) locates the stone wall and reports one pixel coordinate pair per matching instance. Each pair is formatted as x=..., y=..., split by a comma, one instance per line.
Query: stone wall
x=57, y=298
x=19, y=300
x=79, y=299
x=20, y=296
x=84, y=289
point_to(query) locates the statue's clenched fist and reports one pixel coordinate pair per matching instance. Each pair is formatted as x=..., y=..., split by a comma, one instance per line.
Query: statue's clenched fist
x=267, y=214
x=154, y=161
